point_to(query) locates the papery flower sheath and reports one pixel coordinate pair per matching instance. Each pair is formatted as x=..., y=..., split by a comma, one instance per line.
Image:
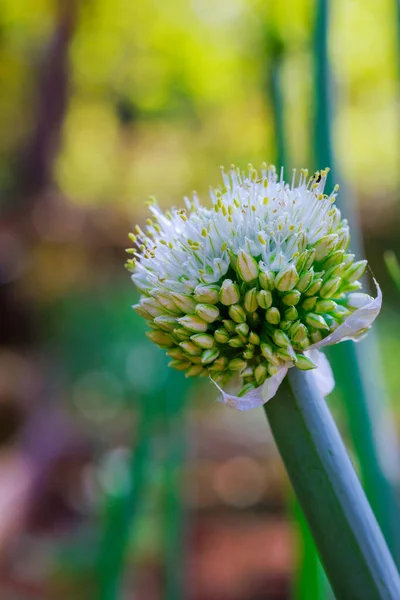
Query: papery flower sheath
x=252, y=286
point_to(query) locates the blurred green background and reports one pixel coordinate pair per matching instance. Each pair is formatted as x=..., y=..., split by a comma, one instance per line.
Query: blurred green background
x=103, y=104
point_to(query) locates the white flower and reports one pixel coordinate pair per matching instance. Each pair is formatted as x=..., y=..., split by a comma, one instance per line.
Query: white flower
x=256, y=283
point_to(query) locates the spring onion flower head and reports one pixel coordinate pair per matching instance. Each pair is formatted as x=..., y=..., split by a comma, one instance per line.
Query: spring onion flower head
x=254, y=284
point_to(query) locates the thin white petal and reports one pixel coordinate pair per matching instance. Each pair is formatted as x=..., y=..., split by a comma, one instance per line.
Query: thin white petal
x=356, y=324
x=323, y=374
x=256, y=397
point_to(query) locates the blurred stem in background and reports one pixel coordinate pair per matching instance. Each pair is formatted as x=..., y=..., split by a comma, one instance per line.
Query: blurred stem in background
x=356, y=367
x=393, y=266
x=310, y=580
x=122, y=509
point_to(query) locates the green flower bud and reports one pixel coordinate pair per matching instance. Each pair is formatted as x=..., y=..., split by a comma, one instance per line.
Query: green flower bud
x=267, y=351
x=247, y=267
x=248, y=353
x=273, y=315
x=316, y=337
x=209, y=294
x=316, y=321
x=333, y=259
x=196, y=360
x=181, y=333
x=304, y=344
x=272, y=369
x=356, y=271
x=325, y=306
x=221, y=378
x=236, y=364
x=260, y=373
x=229, y=325
x=267, y=280
x=164, y=299
x=286, y=279
x=152, y=307
x=250, y=300
x=164, y=340
x=177, y=354
x=291, y=314
x=254, y=319
x=334, y=271
x=229, y=293
x=350, y=287
x=221, y=335
x=264, y=299
x=141, y=311
x=184, y=303
x=209, y=356
x=192, y=348
x=242, y=330
x=348, y=260
x=286, y=354
x=298, y=332
x=207, y=312
x=254, y=338
x=305, y=281
x=165, y=322
x=309, y=303
x=291, y=298
x=237, y=313
x=343, y=239
x=304, y=363
x=220, y=364
x=195, y=371
x=284, y=325
x=325, y=245
x=310, y=259
x=280, y=338
x=236, y=342
x=246, y=388
x=330, y=287
x=314, y=287
x=179, y=365
x=203, y=340
x=193, y=323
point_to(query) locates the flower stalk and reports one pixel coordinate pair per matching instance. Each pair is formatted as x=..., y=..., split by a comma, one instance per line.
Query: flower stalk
x=350, y=543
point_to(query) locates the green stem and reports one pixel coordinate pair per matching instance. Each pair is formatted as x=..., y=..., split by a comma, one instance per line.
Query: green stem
x=350, y=543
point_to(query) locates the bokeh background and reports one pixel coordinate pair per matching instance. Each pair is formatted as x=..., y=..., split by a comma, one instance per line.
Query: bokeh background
x=107, y=457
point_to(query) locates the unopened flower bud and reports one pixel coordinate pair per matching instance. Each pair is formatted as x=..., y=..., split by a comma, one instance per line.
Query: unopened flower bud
x=164, y=299
x=184, y=303
x=209, y=294
x=298, y=332
x=325, y=245
x=229, y=325
x=316, y=336
x=291, y=314
x=280, y=338
x=254, y=338
x=237, y=313
x=333, y=259
x=324, y=306
x=309, y=303
x=203, y=340
x=334, y=271
x=316, y=321
x=247, y=267
x=358, y=300
x=330, y=287
x=236, y=342
x=181, y=333
x=250, y=300
x=209, y=356
x=195, y=371
x=141, y=311
x=248, y=353
x=356, y=271
x=272, y=369
x=291, y=298
x=192, y=348
x=236, y=364
x=273, y=315
x=221, y=335
x=242, y=329
x=348, y=260
x=286, y=354
x=179, y=365
x=267, y=280
x=220, y=364
x=314, y=287
x=304, y=363
x=264, y=299
x=207, y=312
x=304, y=344
x=193, y=323
x=229, y=293
x=304, y=281
x=246, y=389
x=284, y=325
x=310, y=259
x=153, y=307
x=260, y=373
x=162, y=339
x=266, y=351
x=286, y=279
x=343, y=239
x=165, y=322
x=177, y=353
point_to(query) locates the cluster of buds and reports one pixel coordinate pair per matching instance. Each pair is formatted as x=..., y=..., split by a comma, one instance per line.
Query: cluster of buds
x=247, y=286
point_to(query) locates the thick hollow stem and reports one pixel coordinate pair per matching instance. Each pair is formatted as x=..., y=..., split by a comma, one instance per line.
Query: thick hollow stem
x=350, y=543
